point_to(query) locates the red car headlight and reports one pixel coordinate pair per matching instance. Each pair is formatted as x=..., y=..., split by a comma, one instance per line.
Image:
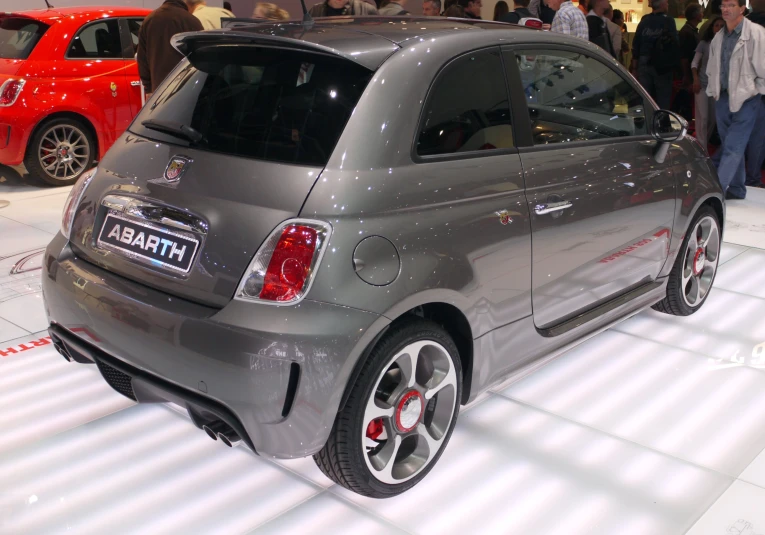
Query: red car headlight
x=10, y=91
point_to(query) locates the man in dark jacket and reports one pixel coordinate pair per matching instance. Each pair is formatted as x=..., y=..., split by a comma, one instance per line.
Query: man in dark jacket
x=521, y=12
x=156, y=55
x=689, y=40
x=656, y=53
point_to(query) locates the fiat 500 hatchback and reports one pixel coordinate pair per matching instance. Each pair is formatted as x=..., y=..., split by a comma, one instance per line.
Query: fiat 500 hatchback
x=324, y=239
x=69, y=87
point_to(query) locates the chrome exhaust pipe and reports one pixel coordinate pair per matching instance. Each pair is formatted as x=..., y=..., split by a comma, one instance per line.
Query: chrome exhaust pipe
x=230, y=438
x=213, y=429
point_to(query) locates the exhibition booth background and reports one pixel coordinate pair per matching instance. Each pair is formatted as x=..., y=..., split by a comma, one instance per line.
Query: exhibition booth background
x=633, y=9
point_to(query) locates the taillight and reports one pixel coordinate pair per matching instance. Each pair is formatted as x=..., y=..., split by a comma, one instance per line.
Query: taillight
x=285, y=265
x=10, y=91
x=73, y=201
x=533, y=23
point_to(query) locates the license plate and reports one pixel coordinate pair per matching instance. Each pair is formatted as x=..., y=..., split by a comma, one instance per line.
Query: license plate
x=148, y=243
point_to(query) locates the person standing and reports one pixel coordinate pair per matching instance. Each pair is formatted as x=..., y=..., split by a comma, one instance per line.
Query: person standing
x=569, y=19
x=755, y=149
x=736, y=73
x=472, y=8
x=208, y=16
x=521, y=12
x=705, y=106
x=618, y=19
x=392, y=8
x=655, y=53
x=689, y=40
x=614, y=31
x=431, y=8
x=339, y=8
x=500, y=10
x=269, y=11
x=156, y=56
x=596, y=24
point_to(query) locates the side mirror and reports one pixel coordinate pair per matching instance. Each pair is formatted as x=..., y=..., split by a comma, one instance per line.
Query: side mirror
x=667, y=127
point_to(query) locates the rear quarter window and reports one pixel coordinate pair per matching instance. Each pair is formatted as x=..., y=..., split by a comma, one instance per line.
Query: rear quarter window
x=19, y=36
x=260, y=103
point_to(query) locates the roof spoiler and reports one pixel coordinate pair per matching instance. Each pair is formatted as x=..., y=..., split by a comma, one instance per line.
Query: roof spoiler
x=187, y=43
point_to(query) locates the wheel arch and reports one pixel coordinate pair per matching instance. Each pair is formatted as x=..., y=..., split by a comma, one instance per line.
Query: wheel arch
x=716, y=205
x=450, y=318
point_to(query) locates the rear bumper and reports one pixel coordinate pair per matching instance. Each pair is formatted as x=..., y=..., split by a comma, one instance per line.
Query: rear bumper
x=236, y=364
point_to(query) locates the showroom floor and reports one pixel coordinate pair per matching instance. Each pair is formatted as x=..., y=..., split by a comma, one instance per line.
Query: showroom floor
x=654, y=426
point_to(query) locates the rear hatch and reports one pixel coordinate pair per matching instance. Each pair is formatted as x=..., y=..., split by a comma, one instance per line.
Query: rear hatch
x=19, y=36
x=228, y=149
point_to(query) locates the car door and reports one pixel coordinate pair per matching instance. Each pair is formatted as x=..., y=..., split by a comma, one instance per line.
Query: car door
x=130, y=27
x=601, y=206
x=466, y=142
x=95, y=58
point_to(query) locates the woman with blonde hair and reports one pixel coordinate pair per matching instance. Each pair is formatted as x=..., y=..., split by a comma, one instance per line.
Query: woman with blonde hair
x=265, y=10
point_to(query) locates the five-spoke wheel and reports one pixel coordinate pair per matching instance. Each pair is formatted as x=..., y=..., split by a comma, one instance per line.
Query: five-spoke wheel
x=400, y=413
x=694, y=271
x=700, y=265
x=410, y=411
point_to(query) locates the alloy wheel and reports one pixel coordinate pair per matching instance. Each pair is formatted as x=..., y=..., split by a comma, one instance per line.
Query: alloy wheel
x=63, y=152
x=702, y=254
x=408, y=415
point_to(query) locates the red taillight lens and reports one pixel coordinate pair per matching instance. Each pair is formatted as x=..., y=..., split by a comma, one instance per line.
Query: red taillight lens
x=283, y=268
x=290, y=264
x=536, y=24
x=10, y=91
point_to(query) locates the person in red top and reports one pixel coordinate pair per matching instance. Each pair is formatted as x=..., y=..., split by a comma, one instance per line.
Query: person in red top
x=583, y=7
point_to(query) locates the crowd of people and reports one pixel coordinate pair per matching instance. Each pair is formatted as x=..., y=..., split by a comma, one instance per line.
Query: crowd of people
x=712, y=74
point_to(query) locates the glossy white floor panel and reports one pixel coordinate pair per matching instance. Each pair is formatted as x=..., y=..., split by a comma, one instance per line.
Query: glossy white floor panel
x=656, y=426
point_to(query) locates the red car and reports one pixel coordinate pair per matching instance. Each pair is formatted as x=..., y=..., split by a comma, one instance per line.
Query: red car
x=69, y=87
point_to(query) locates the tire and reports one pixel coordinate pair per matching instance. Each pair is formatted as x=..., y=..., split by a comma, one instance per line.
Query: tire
x=359, y=444
x=693, y=274
x=65, y=143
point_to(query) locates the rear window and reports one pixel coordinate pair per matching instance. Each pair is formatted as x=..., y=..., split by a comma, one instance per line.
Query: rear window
x=260, y=103
x=18, y=36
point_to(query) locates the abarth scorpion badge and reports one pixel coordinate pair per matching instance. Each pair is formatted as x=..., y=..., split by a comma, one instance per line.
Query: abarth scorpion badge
x=176, y=168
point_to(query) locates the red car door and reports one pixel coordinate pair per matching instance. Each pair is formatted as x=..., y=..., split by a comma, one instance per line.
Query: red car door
x=97, y=70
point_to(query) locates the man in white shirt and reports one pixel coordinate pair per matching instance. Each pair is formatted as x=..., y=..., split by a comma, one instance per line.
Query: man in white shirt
x=208, y=16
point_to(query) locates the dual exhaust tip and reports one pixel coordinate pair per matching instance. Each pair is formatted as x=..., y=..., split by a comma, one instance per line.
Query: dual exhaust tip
x=220, y=430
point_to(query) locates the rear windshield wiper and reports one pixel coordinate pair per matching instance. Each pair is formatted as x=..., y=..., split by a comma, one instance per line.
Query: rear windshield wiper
x=174, y=129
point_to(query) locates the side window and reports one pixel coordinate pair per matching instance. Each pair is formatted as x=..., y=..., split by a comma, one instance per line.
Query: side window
x=98, y=40
x=134, y=25
x=574, y=97
x=467, y=108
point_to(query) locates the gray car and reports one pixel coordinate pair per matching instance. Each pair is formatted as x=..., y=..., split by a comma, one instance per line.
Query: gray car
x=323, y=239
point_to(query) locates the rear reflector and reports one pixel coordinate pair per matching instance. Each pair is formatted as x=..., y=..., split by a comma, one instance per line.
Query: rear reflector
x=533, y=23
x=10, y=91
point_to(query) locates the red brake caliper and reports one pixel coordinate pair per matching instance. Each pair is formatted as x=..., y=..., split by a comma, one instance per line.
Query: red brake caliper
x=375, y=429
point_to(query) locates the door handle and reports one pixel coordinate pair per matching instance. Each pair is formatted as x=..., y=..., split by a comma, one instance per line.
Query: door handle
x=550, y=207
x=135, y=83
